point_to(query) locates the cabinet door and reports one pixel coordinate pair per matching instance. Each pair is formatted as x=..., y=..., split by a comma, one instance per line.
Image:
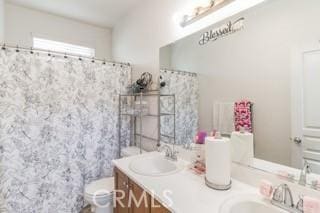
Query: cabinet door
x=158, y=207
x=139, y=200
x=122, y=192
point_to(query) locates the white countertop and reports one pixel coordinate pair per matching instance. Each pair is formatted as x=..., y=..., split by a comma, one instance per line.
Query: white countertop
x=189, y=194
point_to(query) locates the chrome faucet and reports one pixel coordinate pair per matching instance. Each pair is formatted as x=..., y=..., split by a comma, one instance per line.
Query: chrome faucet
x=304, y=172
x=282, y=198
x=170, y=153
x=299, y=205
x=187, y=146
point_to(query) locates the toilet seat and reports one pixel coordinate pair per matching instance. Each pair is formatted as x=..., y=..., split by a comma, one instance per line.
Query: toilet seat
x=100, y=188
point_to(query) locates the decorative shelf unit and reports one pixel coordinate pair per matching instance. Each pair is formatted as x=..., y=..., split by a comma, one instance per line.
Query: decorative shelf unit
x=127, y=107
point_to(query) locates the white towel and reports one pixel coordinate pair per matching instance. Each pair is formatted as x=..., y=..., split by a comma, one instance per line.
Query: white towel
x=223, y=117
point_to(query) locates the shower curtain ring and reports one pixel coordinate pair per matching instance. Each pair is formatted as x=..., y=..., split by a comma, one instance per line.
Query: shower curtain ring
x=65, y=55
x=93, y=60
x=49, y=53
x=17, y=49
x=4, y=46
x=31, y=50
x=104, y=62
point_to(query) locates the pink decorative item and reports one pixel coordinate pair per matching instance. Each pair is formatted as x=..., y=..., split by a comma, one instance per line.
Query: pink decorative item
x=283, y=174
x=213, y=133
x=200, y=138
x=286, y=176
x=311, y=205
x=199, y=168
x=243, y=116
x=266, y=188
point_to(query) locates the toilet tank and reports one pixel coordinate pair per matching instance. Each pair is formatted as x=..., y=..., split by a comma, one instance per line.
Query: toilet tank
x=130, y=151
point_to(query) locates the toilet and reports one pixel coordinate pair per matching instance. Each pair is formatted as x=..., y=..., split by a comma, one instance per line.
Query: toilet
x=99, y=194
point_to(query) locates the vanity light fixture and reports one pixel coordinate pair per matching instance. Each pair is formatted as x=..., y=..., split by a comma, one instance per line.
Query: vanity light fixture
x=221, y=8
x=200, y=12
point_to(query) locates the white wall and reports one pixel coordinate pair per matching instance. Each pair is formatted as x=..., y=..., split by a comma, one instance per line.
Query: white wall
x=22, y=24
x=153, y=24
x=253, y=64
x=138, y=37
x=1, y=21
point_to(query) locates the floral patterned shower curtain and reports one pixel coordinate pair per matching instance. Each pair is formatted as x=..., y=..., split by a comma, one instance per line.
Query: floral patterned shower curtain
x=185, y=87
x=58, y=129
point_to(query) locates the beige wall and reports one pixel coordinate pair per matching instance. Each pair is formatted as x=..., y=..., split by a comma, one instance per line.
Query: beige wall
x=153, y=24
x=22, y=24
x=139, y=37
x=1, y=21
x=254, y=64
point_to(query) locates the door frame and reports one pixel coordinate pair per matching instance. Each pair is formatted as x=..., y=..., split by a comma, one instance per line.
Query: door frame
x=297, y=120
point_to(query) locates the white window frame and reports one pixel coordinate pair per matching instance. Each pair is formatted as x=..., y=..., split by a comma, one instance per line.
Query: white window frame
x=61, y=47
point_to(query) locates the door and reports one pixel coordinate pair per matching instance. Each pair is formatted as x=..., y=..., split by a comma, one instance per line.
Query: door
x=306, y=110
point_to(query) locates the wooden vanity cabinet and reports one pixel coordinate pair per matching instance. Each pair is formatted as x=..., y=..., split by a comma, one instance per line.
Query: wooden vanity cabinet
x=139, y=193
x=130, y=191
x=160, y=209
x=121, y=186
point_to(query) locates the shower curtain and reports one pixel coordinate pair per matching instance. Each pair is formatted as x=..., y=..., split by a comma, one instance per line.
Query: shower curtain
x=185, y=87
x=58, y=129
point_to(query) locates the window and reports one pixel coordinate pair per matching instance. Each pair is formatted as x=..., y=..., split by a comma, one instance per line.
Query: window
x=44, y=44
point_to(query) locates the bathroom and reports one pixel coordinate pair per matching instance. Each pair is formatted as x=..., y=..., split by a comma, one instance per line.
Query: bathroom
x=149, y=106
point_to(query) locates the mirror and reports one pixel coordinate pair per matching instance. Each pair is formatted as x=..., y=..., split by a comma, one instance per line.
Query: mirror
x=269, y=56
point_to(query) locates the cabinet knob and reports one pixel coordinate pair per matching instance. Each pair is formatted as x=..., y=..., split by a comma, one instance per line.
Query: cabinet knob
x=125, y=184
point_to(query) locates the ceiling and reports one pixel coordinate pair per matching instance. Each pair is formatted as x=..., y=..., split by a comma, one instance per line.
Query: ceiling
x=104, y=13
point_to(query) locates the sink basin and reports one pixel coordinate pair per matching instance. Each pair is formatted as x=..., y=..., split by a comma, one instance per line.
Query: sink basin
x=154, y=166
x=249, y=204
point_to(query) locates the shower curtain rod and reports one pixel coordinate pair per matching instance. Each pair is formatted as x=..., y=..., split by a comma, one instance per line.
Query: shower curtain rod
x=180, y=72
x=66, y=55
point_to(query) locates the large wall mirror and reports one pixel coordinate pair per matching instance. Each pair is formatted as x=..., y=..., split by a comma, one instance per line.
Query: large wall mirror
x=268, y=56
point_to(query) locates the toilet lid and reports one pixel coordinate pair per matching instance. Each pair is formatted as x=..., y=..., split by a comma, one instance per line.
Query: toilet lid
x=100, y=187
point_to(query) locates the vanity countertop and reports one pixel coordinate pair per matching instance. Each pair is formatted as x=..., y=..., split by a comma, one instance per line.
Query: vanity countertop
x=189, y=194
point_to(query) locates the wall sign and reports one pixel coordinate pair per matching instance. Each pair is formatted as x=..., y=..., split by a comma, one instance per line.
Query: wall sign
x=223, y=31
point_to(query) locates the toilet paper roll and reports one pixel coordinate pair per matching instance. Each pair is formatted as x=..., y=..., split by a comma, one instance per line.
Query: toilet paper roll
x=218, y=161
x=242, y=148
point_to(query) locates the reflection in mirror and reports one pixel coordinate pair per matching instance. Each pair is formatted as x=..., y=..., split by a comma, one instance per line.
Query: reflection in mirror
x=256, y=71
x=184, y=125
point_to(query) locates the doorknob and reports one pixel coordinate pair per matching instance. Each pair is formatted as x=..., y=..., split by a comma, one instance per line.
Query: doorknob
x=297, y=140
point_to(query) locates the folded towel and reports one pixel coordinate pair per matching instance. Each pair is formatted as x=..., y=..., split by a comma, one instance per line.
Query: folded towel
x=243, y=116
x=223, y=117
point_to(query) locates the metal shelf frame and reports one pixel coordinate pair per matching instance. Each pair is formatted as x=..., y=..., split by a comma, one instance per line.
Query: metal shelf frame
x=138, y=117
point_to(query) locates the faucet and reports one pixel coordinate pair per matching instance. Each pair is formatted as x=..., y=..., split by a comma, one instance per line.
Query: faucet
x=170, y=153
x=299, y=205
x=282, y=198
x=303, y=175
x=187, y=146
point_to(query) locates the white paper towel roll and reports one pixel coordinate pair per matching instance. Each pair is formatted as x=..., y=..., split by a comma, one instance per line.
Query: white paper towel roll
x=218, y=161
x=242, y=147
